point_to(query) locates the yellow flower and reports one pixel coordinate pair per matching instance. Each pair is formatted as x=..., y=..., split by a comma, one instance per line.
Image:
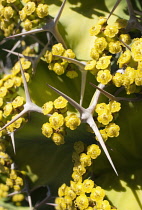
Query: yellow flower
x=88, y=185
x=3, y=91
x=58, y=68
x=97, y=194
x=103, y=205
x=111, y=31
x=115, y=47
x=125, y=38
x=47, y=130
x=104, y=76
x=42, y=10
x=27, y=25
x=85, y=159
x=48, y=56
x=95, y=30
x=93, y=151
x=114, y=106
x=103, y=62
x=56, y=120
x=7, y=109
x=17, y=102
x=58, y=49
x=101, y=108
x=112, y=130
x=82, y=201
x=72, y=121
x=47, y=108
x=138, y=77
x=29, y=8
x=100, y=44
x=94, y=54
x=60, y=103
x=72, y=74
x=118, y=79
x=90, y=65
x=58, y=138
x=105, y=118
x=8, y=12
x=61, y=190
x=124, y=58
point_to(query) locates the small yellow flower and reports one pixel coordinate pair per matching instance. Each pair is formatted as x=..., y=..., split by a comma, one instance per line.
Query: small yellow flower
x=27, y=25
x=90, y=65
x=47, y=108
x=8, y=12
x=69, y=54
x=105, y=118
x=104, y=76
x=17, y=102
x=56, y=120
x=42, y=10
x=115, y=47
x=61, y=190
x=93, y=151
x=100, y=44
x=117, y=79
x=138, y=77
x=60, y=103
x=97, y=194
x=58, y=49
x=48, y=56
x=114, y=106
x=82, y=201
x=94, y=54
x=72, y=74
x=95, y=30
x=88, y=185
x=124, y=58
x=111, y=31
x=47, y=130
x=7, y=109
x=125, y=38
x=112, y=130
x=72, y=121
x=58, y=68
x=103, y=62
x=58, y=138
x=29, y=8
x=85, y=159
x=3, y=91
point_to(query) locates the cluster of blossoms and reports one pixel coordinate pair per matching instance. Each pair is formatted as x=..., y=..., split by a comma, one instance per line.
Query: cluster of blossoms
x=11, y=102
x=59, y=120
x=60, y=65
x=106, y=114
x=112, y=40
x=13, y=178
x=82, y=194
x=28, y=14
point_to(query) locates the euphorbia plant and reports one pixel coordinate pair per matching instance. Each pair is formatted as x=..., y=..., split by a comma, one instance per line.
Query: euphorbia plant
x=70, y=105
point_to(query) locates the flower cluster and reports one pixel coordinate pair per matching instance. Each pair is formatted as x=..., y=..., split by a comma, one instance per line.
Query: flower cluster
x=131, y=62
x=82, y=194
x=105, y=46
x=60, y=65
x=112, y=40
x=29, y=13
x=11, y=103
x=59, y=120
x=106, y=113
